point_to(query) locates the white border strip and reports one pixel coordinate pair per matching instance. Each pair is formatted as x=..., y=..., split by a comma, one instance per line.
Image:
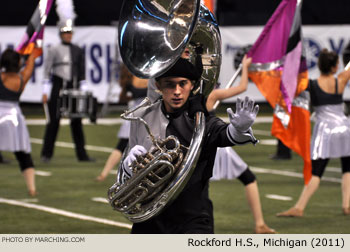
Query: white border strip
x=278, y=197
x=72, y=146
x=64, y=213
x=43, y=173
x=290, y=174
x=100, y=199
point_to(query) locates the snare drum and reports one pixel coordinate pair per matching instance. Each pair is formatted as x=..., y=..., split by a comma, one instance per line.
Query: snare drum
x=77, y=104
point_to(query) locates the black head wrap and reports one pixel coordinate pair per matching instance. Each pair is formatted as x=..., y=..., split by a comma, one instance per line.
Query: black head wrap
x=182, y=68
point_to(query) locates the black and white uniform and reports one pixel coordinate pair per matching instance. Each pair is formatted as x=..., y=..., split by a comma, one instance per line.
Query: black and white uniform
x=228, y=164
x=14, y=136
x=192, y=210
x=65, y=68
x=331, y=132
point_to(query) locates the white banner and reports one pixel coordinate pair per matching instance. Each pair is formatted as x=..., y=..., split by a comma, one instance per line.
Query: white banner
x=100, y=48
x=99, y=43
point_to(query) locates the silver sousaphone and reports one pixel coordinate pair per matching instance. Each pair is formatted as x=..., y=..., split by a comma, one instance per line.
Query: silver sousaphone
x=152, y=36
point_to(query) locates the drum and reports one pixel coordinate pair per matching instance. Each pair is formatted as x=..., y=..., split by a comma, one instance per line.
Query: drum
x=77, y=104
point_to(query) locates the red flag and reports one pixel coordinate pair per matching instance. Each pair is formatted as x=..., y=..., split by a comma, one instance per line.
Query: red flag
x=279, y=71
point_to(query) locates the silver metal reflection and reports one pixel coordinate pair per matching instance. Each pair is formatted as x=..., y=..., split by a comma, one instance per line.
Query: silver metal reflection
x=154, y=33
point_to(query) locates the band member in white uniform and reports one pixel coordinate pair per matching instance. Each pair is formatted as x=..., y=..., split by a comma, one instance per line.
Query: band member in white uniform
x=64, y=68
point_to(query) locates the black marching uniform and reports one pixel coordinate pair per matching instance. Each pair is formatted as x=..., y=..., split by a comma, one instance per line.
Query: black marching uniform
x=192, y=210
x=66, y=65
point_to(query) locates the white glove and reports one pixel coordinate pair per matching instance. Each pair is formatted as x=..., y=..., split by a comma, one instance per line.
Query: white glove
x=46, y=86
x=135, y=151
x=83, y=85
x=239, y=131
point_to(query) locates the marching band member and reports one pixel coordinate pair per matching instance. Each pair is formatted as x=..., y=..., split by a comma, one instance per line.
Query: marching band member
x=192, y=210
x=331, y=132
x=13, y=129
x=229, y=165
x=66, y=63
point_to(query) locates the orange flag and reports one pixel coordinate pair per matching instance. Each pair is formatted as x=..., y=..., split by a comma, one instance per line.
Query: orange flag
x=280, y=73
x=211, y=4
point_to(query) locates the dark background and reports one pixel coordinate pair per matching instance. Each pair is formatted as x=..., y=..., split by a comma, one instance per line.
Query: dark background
x=229, y=12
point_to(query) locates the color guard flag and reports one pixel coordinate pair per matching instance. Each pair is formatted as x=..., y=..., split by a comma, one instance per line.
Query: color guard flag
x=279, y=70
x=211, y=5
x=35, y=29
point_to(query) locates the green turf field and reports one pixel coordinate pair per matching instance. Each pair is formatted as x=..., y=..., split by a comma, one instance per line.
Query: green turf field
x=71, y=188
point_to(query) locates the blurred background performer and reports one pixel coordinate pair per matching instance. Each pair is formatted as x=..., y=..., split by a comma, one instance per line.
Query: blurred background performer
x=66, y=63
x=229, y=165
x=282, y=152
x=134, y=90
x=331, y=132
x=13, y=129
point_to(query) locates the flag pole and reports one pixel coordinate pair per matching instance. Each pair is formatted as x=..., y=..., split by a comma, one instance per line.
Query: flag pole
x=230, y=83
x=47, y=114
x=347, y=66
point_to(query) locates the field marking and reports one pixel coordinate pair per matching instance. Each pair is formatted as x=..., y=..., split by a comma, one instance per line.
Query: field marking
x=262, y=132
x=256, y=169
x=100, y=199
x=268, y=141
x=278, y=197
x=30, y=200
x=85, y=121
x=115, y=121
x=333, y=169
x=64, y=213
x=72, y=146
x=43, y=173
x=290, y=174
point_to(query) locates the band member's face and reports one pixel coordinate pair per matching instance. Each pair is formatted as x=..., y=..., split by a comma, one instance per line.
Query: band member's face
x=175, y=92
x=66, y=37
x=186, y=54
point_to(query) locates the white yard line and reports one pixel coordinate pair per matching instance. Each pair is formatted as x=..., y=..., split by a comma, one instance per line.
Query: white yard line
x=43, y=173
x=29, y=200
x=278, y=197
x=71, y=145
x=256, y=169
x=114, y=121
x=268, y=141
x=333, y=169
x=100, y=199
x=85, y=121
x=290, y=174
x=64, y=213
x=262, y=132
